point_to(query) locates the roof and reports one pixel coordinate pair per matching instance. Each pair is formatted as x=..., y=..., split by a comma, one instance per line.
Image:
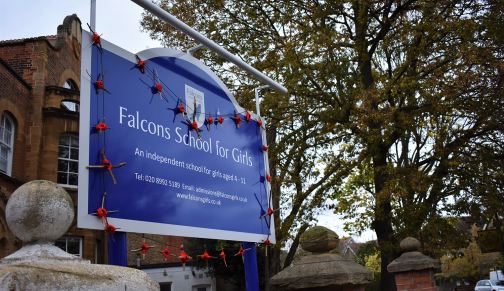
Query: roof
x=343, y=244
x=23, y=40
x=63, y=31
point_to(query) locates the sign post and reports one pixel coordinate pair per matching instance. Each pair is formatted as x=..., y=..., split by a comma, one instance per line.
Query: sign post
x=118, y=249
x=251, y=274
x=166, y=149
x=183, y=158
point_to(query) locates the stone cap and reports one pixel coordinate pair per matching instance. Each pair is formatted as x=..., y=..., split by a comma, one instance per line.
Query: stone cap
x=410, y=244
x=44, y=253
x=412, y=259
x=319, y=239
x=322, y=270
x=34, y=276
x=39, y=212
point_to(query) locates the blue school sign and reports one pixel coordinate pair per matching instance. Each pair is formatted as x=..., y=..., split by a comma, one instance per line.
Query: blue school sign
x=173, y=182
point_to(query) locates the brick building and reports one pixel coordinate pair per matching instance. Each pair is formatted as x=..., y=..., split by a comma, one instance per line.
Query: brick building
x=39, y=140
x=348, y=248
x=39, y=102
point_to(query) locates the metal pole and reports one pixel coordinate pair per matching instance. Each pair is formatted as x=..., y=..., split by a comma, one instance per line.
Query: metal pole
x=168, y=18
x=257, y=98
x=266, y=272
x=92, y=20
x=118, y=249
x=195, y=48
x=266, y=258
x=251, y=274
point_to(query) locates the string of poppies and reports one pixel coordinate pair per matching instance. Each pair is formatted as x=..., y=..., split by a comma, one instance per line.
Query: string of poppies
x=107, y=165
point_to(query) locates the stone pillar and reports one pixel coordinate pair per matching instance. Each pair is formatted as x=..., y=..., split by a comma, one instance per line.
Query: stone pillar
x=413, y=270
x=322, y=271
x=39, y=212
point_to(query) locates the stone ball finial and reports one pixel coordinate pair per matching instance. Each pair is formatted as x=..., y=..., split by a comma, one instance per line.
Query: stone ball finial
x=410, y=244
x=39, y=211
x=319, y=239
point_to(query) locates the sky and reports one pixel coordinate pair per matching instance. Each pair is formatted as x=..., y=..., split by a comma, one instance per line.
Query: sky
x=118, y=21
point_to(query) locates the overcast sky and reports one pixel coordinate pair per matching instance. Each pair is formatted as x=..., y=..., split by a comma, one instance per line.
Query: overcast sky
x=118, y=21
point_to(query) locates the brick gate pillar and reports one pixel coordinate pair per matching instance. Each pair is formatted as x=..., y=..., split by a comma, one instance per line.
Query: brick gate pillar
x=413, y=270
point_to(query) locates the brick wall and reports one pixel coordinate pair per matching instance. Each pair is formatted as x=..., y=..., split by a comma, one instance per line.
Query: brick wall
x=36, y=59
x=41, y=64
x=28, y=66
x=20, y=56
x=27, y=58
x=15, y=98
x=416, y=280
x=59, y=61
x=13, y=89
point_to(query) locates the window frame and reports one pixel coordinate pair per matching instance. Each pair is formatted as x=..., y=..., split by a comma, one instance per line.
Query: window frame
x=10, y=147
x=66, y=238
x=199, y=286
x=165, y=284
x=70, y=105
x=70, y=84
x=70, y=135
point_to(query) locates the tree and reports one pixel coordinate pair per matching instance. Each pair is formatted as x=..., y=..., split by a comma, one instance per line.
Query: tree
x=395, y=108
x=368, y=255
x=468, y=264
x=373, y=263
x=366, y=250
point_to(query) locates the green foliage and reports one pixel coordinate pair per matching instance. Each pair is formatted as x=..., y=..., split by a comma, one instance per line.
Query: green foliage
x=365, y=250
x=373, y=263
x=368, y=255
x=395, y=108
x=468, y=264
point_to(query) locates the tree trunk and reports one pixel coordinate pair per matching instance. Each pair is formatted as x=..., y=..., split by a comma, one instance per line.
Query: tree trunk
x=294, y=246
x=386, y=242
x=266, y=271
x=383, y=221
x=387, y=280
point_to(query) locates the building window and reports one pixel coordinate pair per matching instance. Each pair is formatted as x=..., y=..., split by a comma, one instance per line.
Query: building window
x=6, y=143
x=70, y=244
x=68, y=160
x=164, y=286
x=70, y=84
x=70, y=106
